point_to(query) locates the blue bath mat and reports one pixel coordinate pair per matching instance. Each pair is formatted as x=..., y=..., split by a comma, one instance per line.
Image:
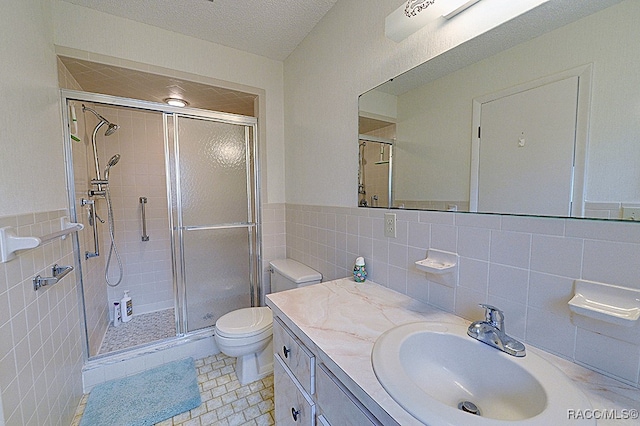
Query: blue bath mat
x=145, y=398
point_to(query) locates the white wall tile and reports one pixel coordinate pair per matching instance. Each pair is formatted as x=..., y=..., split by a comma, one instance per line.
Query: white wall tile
x=510, y=248
x=484, y=221
x=419, y=235
x=556, y=255
x=398, y=255
x=467, y=303
x=474, y=242
x=534, y=225
x=550, y=293
x=442, y=296
x=599, y=351
x=508, y=282
x=417, y=285
x=526, y=268
x=603, y=230
x=554, y=333
x=444, y=237
x=398, y=279
x=612, y=263
x=40, y=331
x=473, y=275
x=515, y=315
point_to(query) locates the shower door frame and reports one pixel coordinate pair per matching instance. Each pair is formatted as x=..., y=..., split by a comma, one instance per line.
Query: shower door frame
x=179, y=286
x=175, y=208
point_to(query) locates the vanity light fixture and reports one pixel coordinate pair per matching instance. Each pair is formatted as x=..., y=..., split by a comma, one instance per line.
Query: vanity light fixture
x=414, y=6
x=451, y=8
x=416, y=14
x=176, y=102
x=461, y=8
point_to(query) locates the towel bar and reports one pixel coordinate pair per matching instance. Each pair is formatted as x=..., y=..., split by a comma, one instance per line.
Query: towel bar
x=10, y=242
x=58, y=272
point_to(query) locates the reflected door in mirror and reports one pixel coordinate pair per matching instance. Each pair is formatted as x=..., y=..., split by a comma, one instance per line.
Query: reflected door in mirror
x=527, y=145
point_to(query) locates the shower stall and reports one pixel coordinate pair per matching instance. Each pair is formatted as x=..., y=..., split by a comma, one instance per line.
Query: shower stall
x=172, y=218
x=375, y=171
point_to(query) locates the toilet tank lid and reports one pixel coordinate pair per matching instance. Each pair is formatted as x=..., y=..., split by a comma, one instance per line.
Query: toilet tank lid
x=295, y=271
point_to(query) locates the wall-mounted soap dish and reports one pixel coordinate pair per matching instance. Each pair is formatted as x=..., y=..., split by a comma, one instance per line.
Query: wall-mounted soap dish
x=438, y=262
x=606, y=302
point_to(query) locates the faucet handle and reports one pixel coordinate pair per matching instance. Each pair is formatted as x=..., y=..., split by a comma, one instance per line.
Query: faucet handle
x=494, y=316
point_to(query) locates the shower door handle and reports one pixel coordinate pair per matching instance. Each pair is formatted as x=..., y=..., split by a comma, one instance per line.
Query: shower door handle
x=93, y=223
x=143, y=203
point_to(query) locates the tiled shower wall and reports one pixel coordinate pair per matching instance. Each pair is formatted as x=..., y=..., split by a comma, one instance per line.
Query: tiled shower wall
x=139, y=173
x=94, y=292
x=524, y=265
x=41, y=350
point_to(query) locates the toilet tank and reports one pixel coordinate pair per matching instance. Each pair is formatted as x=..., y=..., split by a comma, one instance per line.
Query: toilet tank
x=288, y=273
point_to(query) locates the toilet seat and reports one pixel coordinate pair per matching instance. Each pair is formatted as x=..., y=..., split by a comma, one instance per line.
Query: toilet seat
x=227, y=342
x=244, y=323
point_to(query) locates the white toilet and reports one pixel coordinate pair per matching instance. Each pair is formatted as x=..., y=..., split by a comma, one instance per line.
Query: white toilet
x=247, y=333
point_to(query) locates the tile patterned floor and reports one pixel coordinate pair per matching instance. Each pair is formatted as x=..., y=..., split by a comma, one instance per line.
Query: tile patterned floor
x=144, y=328
x=224, y=401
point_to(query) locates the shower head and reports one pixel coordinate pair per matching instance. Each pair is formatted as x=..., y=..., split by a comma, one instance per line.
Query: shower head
x=112, y=162
x=111, y=128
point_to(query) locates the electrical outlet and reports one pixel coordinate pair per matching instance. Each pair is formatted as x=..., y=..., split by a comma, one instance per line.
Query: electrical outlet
x=390, y=225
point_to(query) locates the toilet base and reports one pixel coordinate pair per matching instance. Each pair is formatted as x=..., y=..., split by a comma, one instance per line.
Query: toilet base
x=255, y=366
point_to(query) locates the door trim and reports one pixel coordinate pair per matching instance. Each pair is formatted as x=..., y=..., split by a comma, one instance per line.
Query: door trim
x=579, y=185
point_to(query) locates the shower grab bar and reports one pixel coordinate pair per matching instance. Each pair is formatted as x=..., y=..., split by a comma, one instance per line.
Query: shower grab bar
x=221, y=226
x=143, y=202
x=92, y=222
x=58, y=272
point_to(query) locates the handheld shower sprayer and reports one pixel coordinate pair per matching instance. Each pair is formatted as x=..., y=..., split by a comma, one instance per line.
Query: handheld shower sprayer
x=112, y=162
x=103, y=189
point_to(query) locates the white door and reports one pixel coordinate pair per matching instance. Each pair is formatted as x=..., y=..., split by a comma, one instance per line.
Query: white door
x=527, y=149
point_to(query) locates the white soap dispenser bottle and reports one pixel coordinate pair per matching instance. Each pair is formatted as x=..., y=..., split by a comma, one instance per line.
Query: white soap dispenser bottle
x=126, y=304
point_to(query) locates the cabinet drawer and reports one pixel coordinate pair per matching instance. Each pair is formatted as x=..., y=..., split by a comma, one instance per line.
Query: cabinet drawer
x=295, y=355
x=337, y=406
x=293, y=406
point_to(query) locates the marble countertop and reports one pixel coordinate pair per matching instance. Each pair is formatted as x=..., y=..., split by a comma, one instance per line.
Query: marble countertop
x=340, y=321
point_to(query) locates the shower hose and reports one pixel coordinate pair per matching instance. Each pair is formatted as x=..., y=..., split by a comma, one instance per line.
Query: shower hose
x=112, y=249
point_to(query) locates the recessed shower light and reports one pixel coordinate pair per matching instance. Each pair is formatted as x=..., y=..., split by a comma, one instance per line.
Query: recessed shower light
x=176, y=102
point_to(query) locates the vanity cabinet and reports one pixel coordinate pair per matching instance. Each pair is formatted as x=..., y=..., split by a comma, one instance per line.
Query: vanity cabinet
x=306, y=392
x=293, y=406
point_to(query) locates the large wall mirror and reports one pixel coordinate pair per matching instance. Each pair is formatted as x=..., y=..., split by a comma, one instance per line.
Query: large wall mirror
x=548, y=127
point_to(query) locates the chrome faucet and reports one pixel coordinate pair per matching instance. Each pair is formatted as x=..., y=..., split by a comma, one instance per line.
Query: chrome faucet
x=491, y=332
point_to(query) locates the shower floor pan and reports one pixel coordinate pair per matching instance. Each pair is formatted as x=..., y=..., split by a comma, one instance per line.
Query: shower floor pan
x=142, y=329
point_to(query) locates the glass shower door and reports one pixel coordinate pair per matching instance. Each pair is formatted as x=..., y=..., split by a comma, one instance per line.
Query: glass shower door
x=215, y=209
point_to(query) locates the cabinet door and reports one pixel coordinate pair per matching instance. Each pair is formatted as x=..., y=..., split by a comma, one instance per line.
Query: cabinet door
x=295, y=355
x=337, y=406
x=293, y=406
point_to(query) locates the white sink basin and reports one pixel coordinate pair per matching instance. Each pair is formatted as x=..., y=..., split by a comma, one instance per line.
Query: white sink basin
x=432, y=369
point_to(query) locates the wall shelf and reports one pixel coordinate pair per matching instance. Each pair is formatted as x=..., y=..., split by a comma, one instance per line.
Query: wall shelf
x=10, y=242
x=606, y=302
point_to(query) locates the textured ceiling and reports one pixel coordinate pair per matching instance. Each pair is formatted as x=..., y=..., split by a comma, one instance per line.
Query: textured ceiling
x=271, y=28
